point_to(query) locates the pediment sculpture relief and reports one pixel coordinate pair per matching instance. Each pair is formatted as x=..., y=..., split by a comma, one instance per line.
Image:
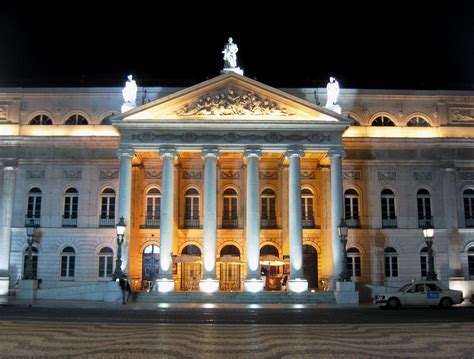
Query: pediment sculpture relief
x=233, y=102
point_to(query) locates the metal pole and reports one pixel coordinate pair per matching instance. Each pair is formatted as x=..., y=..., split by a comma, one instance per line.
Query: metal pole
x=118, y=262
x=344, y=276
x=431, y=275
x=29, y=260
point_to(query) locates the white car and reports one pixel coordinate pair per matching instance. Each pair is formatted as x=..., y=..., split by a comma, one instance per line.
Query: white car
x=421, y=293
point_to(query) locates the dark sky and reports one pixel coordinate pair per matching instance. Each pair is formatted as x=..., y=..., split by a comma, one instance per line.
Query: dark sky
x=383, y=44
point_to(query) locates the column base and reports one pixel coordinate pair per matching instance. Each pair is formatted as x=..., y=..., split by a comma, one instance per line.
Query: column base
x=27, y=289
x=4, y=285
x=345, y=293
x=254, y=285
x=165, y=285
x=209, y=285
x=297, y=285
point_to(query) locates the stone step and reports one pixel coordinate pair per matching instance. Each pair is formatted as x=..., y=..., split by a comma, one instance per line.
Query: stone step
x=236, y=297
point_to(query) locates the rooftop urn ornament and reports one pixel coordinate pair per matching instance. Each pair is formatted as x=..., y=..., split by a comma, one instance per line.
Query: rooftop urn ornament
x=230, y=58
x=332, y=95
x=129, y=93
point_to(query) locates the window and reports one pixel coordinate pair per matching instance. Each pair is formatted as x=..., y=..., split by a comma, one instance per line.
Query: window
x=418, y=121
x=107, y=208
x=76, y=120
x=391, y=262
x=71, y=200
x=382, y=121
x=229, y=219
x=106, y=259
x=353, y=262
x=470, y=262
x=41, y=120
x=34, y=262
x=191, y=216
x=153, y=208
x=468, y=197
x=354, y=121
x=68, y=262
x=33, y=208
x=424, y=261
x=268, y=217
x=351, y=208
x=307, y=210
x=423, y=199
x=389, y=218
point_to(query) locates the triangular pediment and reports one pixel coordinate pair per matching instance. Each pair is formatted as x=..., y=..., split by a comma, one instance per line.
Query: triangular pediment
x=231, y=97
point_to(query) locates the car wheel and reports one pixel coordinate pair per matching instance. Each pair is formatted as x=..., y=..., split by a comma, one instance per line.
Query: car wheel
x=446, y=303
x=393, y=303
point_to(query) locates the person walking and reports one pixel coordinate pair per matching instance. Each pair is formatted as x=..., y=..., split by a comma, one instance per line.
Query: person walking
x=123, y=287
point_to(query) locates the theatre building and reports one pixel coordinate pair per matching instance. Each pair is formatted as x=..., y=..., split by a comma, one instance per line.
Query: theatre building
x=233, y=185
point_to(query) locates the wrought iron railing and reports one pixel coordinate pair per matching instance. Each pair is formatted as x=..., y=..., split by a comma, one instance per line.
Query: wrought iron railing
x=268, y=223
x=107, y=222
x=69, y=222
x=191, y=223
x=230, y=223
x=34, y=218
x=353, y=222
x=389, y=222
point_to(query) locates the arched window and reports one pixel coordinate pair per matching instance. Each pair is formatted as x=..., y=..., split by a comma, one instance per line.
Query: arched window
x=382, y=121
x=307, y=210
x=76, y=120
x=353, y=262
x=41, y=120
x=34, y=262
x=468, y=197
x=68, y=263
x=423, y=201
x=107, y=208
x=269, y=250
x=391, y=262
x=106, y=119
x=153, y=208
x=191, y=215
x=33, y=208
x=106, y=263
x=71, y=202
x=470, y=262
x=229, y=216
x=418, y=121
x=351, y=208
x=150, y=265
x=389, y=217
x=424, y=261
x=268, y=216
x=354, y=121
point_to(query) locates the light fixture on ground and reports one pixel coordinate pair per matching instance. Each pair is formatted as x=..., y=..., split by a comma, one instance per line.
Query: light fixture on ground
x=342, y=230
x=30, y=233
x=428, y=233
x=120, y=227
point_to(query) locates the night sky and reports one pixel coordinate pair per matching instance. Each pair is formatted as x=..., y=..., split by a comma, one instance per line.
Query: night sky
x=383, y=44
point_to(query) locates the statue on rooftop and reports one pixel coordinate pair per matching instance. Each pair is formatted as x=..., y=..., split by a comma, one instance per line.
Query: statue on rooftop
x=332, y=95
x=129, y=93
x=230, y=54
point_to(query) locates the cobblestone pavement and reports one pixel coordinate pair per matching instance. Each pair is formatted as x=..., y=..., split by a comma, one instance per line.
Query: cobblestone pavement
x=20, y=339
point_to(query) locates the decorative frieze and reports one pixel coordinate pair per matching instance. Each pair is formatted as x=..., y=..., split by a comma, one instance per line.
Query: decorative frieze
x=422, y=176
x=308, y=175
x=387, y=175
x=192, y=175
x=109, y=174
x=466, y=176
x=230, y=174
x=268, y=175
x=3, y=112
x=462, y=114
x=35, y=174
x=72, y=174
x=355, y=175
x=152, y=174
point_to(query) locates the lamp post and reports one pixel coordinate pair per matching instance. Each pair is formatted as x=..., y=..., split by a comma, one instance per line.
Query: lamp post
x=342, y=230
x=30, y=231
x=118, y=263
x=428, y=233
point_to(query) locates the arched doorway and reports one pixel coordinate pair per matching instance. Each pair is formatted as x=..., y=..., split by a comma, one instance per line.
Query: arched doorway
x=150, y=265
x=190, y=260
x=230, y=268
x=271, y=267
x=310, y=265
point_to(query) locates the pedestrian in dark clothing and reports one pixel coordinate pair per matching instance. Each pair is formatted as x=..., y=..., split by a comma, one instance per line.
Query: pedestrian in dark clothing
x=129, y=289
x=123, y=286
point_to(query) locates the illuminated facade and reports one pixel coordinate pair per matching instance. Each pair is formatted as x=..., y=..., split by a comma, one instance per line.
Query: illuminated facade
x=226, y=180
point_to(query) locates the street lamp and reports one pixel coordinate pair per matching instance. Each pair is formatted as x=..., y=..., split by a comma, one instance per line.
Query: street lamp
x=428, y=233
x=30, y=231
x=342, y=230
x=120, y=227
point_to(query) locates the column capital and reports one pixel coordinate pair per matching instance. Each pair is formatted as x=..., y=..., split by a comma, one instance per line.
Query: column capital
x=253, y=152
x=10, y=165
x=336, y=152
x=126, y=152
x=210, y=152
x=294, y=151
x=168, y=151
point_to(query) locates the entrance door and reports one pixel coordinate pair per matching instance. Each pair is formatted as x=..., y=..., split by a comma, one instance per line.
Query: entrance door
x=190, y=276
x=310, y=265
x=151, y=263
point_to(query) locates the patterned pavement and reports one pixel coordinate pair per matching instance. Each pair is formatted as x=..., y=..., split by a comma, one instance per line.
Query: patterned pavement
x=46, y=339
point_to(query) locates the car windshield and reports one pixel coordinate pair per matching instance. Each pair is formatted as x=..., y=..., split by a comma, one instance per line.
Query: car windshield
x=405, y=287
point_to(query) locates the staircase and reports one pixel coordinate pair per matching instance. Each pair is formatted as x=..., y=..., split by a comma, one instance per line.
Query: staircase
x=237, y=297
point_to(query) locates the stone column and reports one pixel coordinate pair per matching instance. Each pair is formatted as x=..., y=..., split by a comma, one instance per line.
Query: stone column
x=8, y=196
x=166, y=282
x=253, y=283
x=209, y=283
x=125, y=200
x=297, y=282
